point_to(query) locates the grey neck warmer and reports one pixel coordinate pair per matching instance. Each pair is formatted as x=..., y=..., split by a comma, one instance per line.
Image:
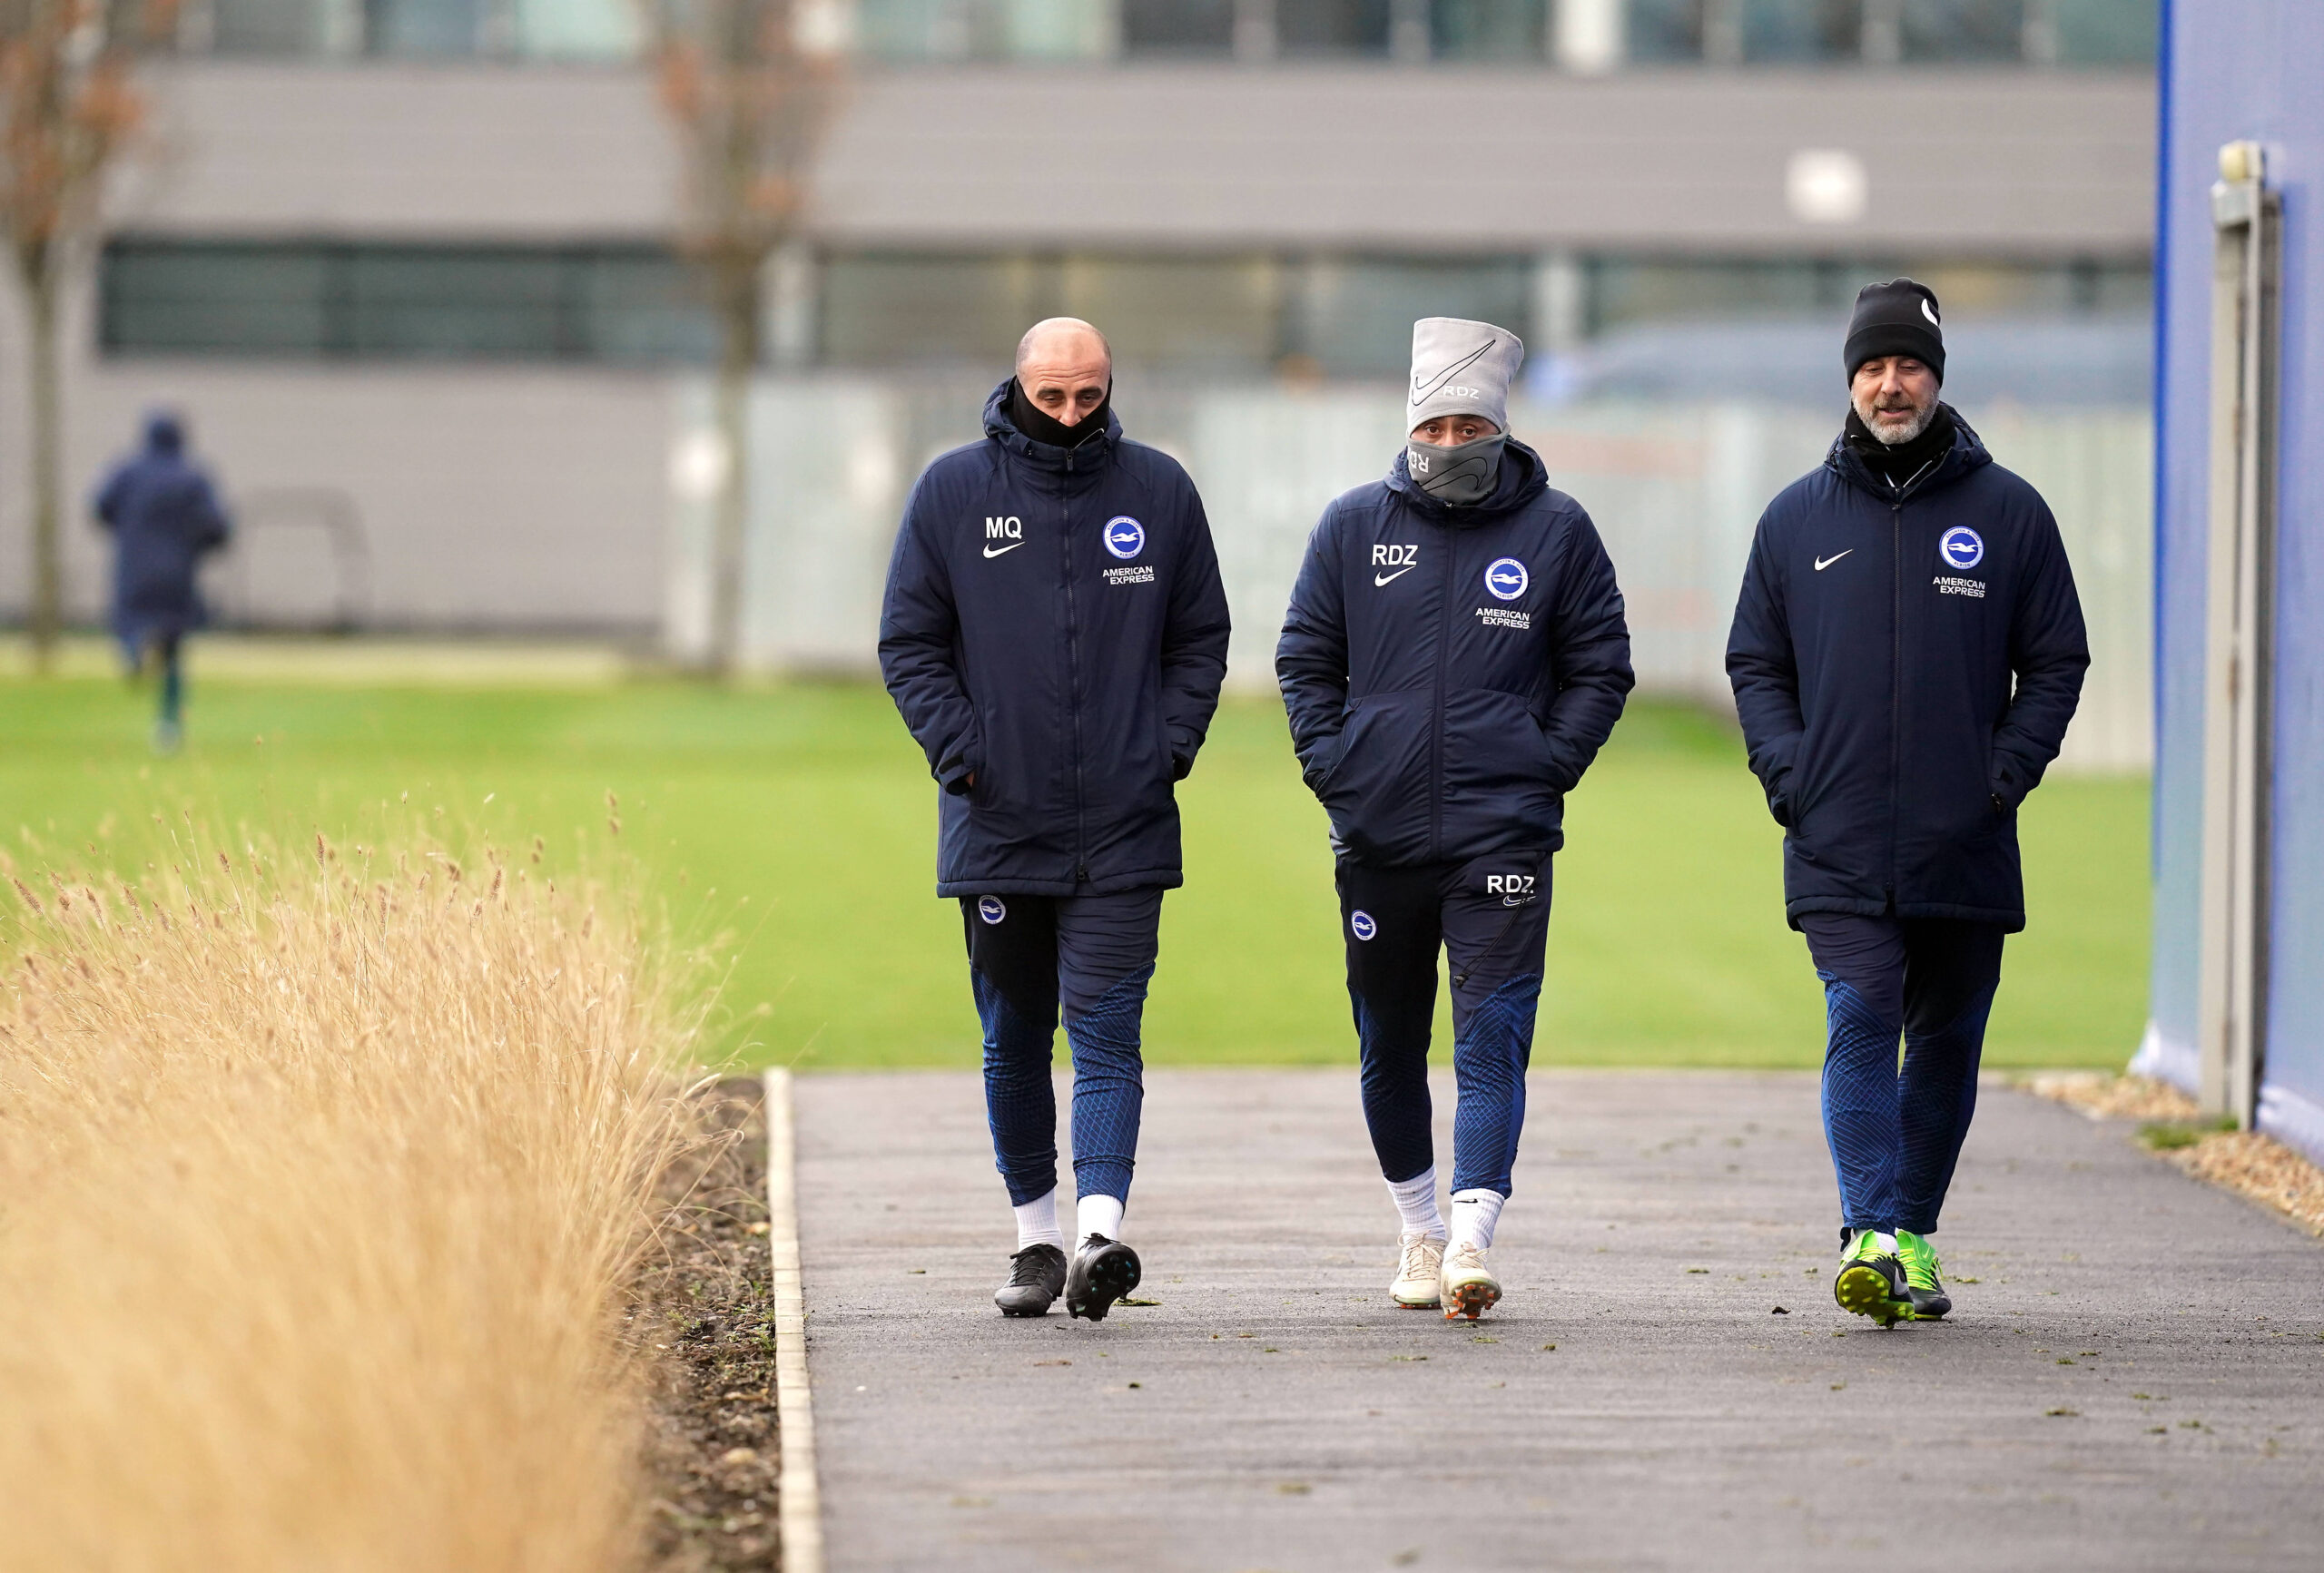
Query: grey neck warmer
x=1461, y=476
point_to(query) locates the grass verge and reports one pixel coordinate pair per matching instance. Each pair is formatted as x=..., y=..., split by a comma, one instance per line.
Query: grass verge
x=802, y=817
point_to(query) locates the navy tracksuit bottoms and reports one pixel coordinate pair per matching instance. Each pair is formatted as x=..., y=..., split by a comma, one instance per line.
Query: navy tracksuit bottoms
x=1094, y=954
x=1895, y=1135
x=1492, y=918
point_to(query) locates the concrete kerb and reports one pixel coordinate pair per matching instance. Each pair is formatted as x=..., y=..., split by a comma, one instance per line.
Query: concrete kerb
x=799, y=1506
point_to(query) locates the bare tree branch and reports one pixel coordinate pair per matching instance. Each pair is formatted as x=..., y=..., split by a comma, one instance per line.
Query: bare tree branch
x=750, y=85
x=67, y=108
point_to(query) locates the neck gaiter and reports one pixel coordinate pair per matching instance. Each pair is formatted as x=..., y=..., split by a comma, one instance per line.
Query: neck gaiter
x=1461, y=476
x=1042, y=426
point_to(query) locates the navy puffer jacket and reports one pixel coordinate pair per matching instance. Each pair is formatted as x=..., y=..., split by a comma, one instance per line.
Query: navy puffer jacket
x=1450, y=673
x=1906, y=661
x=163, y=517
x=1054, y=627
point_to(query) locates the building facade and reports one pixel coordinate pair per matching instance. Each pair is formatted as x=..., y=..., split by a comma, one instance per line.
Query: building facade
x=407, y=265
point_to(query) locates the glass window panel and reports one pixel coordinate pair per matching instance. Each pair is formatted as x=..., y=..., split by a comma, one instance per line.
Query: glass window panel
x=932, y=29
x=643, y=306
x=1178, y=27
x=578, y=29
x=2106, y=31
x=423, y=27
x=162, y=298
x=616, y=303
x=1057, y=29
x=1487, y=29
x=1214, y=315
x=880, y=310
x=266, y=26
x=1963, y=29
x=1331, y=27
x=1660, y=30
x=457, y=304
x=1803, y=30
x=1353, y=316
x=1641, y=289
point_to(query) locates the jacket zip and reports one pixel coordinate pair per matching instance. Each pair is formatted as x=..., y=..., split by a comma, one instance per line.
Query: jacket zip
x=1073, y=682
x=1895, y=685
x=1436, y=735
x=1896, y=669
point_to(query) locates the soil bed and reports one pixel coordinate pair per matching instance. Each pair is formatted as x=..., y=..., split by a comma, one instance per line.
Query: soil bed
x=706, y=1315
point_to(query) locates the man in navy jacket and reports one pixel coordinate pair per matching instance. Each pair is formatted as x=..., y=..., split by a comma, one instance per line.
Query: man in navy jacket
x=1907, y=651
x=1454, y=657
x=165, y=516
x=1055, y=634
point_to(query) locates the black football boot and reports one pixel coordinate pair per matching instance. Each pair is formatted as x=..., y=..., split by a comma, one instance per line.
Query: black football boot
x=1104, y=1270
x=1036, y=1278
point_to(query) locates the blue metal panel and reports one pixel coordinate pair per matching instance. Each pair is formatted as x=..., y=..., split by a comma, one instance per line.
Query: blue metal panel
x=2183, y=366
x=2246, y=68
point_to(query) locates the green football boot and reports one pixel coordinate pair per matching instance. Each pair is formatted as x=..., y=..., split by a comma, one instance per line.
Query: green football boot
x=1923, y=1286
x=1871, y=1281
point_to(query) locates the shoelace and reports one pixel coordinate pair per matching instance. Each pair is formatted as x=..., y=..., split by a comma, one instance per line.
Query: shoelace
x=1467, y=1255
x=1026, y=1268
x=1416, y=1263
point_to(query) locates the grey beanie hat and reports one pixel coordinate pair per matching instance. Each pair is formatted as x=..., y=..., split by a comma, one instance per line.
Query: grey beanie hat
x=1461, y=368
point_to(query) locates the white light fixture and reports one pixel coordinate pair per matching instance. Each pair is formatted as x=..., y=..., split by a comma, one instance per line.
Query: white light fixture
x=1825, y=186
x=697, y=466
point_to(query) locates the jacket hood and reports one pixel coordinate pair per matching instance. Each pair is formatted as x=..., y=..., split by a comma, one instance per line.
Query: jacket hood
x=163, y=434
x=1966, y=454
x=1085, y=459
x=1523, y=476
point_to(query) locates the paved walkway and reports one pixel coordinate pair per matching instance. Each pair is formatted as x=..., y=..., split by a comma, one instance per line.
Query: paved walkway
x=2135, y=1381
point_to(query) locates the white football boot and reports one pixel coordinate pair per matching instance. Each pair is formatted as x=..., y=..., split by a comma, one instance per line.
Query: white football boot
x=1468, y=1288
x=1419, y=1271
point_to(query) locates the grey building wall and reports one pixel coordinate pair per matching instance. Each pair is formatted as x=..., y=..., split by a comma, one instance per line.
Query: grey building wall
x=2008, y=163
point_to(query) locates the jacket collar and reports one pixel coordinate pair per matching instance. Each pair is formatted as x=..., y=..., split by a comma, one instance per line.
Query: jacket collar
x=1966, y=455
x=1066, y=464
x=1523, y=476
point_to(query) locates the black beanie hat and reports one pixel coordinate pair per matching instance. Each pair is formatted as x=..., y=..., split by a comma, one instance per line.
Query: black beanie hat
x=1898, y=318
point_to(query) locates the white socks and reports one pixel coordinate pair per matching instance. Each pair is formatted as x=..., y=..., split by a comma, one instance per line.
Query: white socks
x=1097, y=1215
x=1037, y=1222
x=1474, y=1213
x=1415, y=1201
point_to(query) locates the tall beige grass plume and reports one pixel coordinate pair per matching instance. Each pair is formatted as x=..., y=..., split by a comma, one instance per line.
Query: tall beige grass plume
x=321, y=1176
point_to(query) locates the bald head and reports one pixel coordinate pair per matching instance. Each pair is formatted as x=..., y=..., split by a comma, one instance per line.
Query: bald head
x=1065, y=367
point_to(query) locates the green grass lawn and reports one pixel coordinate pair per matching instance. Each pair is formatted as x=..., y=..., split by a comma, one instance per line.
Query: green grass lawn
x=801, y=819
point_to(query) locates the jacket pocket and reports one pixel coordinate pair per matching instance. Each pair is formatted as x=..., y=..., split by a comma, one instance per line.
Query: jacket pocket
x=1497, y=761
x=1377, y=789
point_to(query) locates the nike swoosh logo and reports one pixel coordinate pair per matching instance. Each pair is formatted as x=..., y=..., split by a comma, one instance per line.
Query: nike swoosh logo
x=1821, y=563
x=1380, y=579
x=1009, y=547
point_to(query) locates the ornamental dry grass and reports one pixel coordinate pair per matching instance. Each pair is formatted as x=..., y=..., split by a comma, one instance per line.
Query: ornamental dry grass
x=321, y=1176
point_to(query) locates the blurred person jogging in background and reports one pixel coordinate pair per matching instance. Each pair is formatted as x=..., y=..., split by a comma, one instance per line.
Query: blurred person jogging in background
x=1055, y=634
x=1454, y=657
x=1906, y=653
x=163, y=517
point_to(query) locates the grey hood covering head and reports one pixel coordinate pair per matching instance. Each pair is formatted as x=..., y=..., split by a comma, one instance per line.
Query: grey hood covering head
x=1461, y=368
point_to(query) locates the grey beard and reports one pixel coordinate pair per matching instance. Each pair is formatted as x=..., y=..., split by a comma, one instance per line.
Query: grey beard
x=1461, y=476
x=1919, y=425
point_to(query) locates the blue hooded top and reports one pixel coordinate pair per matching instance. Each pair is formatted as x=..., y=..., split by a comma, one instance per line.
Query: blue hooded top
x=1054, y=632
x=163, y=515
x=1451, y=672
